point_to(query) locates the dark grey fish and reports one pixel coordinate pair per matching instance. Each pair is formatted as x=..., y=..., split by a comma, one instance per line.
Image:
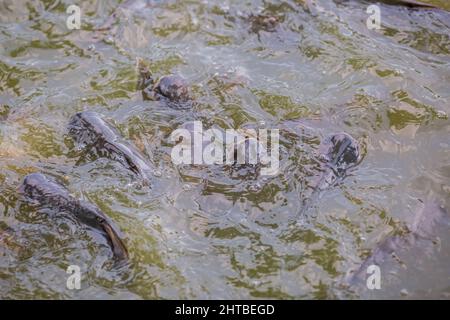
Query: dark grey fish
x=405, y=3
x=91, y=131
x=423, y=227
x=170, y=89
x=262, y=22
x=341, y=152
x=408, y=3
x=45, y=192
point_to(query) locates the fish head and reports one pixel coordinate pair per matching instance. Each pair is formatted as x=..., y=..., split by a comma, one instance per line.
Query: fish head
x=343, y=152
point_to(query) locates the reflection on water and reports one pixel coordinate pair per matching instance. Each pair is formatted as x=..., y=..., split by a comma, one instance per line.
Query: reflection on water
x=308, y=68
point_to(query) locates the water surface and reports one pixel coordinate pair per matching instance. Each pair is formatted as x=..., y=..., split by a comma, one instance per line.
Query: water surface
x=206, y=232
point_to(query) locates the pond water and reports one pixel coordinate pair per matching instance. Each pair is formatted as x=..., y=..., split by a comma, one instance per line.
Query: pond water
x=205, y=231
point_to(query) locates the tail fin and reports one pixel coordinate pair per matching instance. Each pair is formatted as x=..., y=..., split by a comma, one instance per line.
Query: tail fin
x=119, y=249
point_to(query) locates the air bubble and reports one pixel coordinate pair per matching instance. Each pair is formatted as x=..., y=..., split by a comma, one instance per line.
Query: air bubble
x=108, y=40
x=157, y=173
x=255, y=187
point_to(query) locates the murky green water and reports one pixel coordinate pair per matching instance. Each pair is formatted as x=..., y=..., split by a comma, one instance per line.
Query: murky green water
x=203, y=232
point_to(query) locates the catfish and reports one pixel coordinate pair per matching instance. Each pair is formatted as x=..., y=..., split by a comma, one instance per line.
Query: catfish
x=96, y=135
x=39, y=189
x=341, y=152
x=423, y=228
